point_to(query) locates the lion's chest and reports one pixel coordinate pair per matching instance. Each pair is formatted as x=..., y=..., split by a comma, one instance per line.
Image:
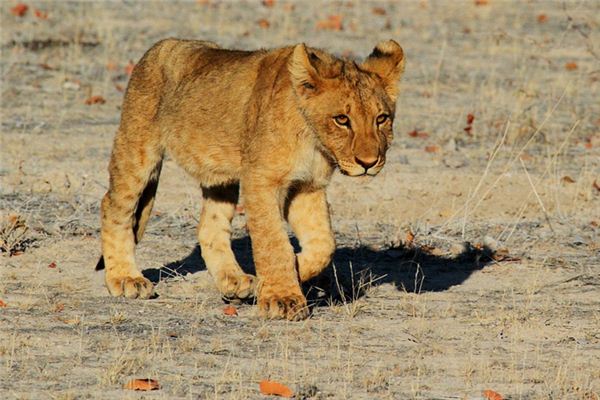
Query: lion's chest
x=311, y=166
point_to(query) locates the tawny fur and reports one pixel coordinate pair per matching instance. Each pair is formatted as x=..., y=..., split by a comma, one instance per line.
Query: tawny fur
x=274, y=122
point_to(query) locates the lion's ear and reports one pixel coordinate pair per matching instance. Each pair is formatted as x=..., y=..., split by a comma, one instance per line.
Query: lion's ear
x=305, y=76
x=387, y=61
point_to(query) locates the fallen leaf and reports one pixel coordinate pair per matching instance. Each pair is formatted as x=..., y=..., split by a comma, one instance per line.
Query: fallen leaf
x=142, y=384
x=470, y=118
x=410, y=237
x=173, y=335
x=567, y=179
x=230, y=310
x=432, y=148
x=571, y=66
x=526, y=157
x=52, y=265
x=2, y=304
x=595, y=224
x=268, y=3
x=468, y=129
x=40, y=14
x=542, y=18
x=129, y=68
x=263, y=23
x=481, y=2
x=491, y=395
x=379, y=11
x=332, y=23
x=272, y=388
x=59, y=307
x=95, y=100
x=418, y=134
x=596, y=186
x=19, y=10
x=502, y=255
x=46, y=67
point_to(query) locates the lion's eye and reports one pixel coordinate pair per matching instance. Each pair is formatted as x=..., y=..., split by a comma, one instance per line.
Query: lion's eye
x=342, y=120
x=382, y=118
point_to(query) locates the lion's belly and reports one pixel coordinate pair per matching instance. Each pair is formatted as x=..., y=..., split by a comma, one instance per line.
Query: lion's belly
x=210, y=160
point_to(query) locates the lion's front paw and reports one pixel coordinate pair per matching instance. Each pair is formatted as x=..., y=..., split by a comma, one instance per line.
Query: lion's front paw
x=130, y=287
x=277, y=305
x=236, y=285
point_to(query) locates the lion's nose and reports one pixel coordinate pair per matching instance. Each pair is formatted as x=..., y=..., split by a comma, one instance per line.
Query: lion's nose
x=366, y=162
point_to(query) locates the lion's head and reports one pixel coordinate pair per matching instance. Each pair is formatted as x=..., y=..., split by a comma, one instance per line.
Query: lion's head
x=349, y=106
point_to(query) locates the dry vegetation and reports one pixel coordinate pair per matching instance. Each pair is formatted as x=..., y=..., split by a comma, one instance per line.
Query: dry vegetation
x=498, y=289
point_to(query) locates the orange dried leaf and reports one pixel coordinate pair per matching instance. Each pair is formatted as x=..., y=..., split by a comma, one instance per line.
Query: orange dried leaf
x=379, y=11
x=491, y=395
x=432, y=149
x=410, y=237
x=332, y=23
x=481, y=2
x=95, y=100
x=272, y=388
x=129, y=68
x=59, y=307
x=596, y=186
x=542, y=18
x=526, y=157
x=142, y=384
x=52, y=264
x=263, y=23
x=19, y=10
x=2, y=304
x=46, y=67
x=470, y=118
x=567, y=179
x=418, y=134
x=40, y=14
x=571, y=66
x=268, y=3
x=230, y=310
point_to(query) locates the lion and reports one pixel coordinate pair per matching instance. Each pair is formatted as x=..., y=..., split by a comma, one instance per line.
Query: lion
x=271, y=125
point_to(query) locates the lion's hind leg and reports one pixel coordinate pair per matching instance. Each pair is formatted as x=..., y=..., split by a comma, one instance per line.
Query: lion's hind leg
x=214, y=236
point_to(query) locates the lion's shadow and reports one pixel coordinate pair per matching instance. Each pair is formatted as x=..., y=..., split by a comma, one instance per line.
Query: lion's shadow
x=355, y=269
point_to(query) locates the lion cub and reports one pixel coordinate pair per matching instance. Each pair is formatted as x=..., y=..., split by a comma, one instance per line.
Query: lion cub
x=275, y=123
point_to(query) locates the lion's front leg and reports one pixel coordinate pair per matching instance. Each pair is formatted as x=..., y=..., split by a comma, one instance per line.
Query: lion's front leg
x=308, y=215
x=279, y=292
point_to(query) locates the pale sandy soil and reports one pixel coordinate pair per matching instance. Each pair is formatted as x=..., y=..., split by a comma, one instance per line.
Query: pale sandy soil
x=438, y=319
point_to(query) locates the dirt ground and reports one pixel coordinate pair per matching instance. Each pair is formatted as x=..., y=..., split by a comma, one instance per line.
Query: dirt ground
x=498, y=289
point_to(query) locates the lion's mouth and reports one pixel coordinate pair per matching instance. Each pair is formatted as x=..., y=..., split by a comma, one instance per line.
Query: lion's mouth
x=357, y=170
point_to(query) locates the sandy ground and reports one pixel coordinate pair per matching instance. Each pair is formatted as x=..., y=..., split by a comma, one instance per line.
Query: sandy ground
x=499, y=289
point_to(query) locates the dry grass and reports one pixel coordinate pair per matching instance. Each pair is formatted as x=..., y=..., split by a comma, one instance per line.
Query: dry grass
x=439, y=317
